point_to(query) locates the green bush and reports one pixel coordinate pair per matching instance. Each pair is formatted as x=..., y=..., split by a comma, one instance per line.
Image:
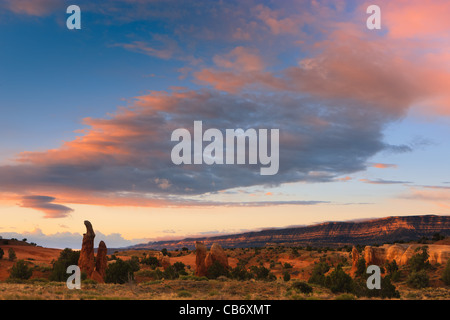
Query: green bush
x=318, y=273
x=240, y=273
x=339, y=281
x=20, y=270
x=360, y=267
x=216, y=270
x=419, y=261
x=302, y=287
x=286, y=276
x=418, y=279
x=66, y=258
x=11, y=254
x=446, y=274
x=121, y=271
x=262, y=273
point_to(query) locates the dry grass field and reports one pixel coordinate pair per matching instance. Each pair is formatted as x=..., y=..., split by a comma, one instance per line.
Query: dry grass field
x=298, y=263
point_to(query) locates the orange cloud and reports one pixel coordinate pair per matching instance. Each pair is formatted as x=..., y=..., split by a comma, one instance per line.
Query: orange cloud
x=384, y=165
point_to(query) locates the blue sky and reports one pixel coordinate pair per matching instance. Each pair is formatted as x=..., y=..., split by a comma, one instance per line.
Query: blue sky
x=363, y=115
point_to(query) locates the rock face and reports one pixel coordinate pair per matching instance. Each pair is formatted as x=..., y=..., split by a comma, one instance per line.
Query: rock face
x=200, y=256
x=95, y=270
x=163, y=260
x=401, y=253
x=355, y=258
x=390, y=229
x=102, y=261
x=204, y=260
x=86, y=262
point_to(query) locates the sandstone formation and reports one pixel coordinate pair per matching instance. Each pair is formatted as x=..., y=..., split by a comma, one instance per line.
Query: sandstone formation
x=164, y=261
x=355, y=258
x=206, y=259
x=94, y=270
x=200, y=256
x=86, y=262
x=216, y=253
x=401, y=253
x=101, y=261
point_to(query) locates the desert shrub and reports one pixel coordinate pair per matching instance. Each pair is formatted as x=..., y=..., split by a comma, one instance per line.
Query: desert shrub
x=339, y=281
x=262, y=273
x=419, y=261
x=287, y=266
x=184, y=294
x=318, y=273
x=387, y=291
x=20, y=270
x=446, y=274
x=302, y=287
x=216, y=270
x=179, y=268
x=170, y=273
x=1, y=253
x=121, y=271
x=11, y=254
x=418, y=279
x=393, y=270
x=151, y=261
x=286, y=276
x=240, y=273
x=360, y=267
x=66, y=258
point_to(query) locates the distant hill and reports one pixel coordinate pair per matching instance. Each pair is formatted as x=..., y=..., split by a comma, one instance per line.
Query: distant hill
x=368, y=232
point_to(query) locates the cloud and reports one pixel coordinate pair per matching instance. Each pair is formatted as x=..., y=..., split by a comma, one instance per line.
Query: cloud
x=382, y=181
x=73, y=240
x=46, y=205
x=34, y=7
x=331, y=105
x=384, y=165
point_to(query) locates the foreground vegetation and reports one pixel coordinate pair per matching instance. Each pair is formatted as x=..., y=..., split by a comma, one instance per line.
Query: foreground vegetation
x=270, y=273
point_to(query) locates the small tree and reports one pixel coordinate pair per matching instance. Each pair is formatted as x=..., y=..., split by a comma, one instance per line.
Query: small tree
x=339, y=281
x=419, y=261
x=360, y=267
x=20, y=270
x=119, y=272
x=418, y=279
x=66, y=258
x=11, y=254
x=446, y=274
x=216, y=270
x=286, y=276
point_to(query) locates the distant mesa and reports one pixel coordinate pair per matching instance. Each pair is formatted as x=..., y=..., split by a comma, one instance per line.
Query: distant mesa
x=95, y=269
x=375, y=231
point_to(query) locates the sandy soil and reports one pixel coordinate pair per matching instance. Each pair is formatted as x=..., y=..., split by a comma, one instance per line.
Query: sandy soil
x=36, y=255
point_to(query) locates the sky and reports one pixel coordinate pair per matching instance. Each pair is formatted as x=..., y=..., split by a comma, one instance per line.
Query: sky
x=87, y=115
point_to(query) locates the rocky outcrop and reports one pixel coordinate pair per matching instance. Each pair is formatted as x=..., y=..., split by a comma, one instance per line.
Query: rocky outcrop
x=204, y=259
x=390, y=229
x=163, y=260
x=355, y=258
x=86, y=262
x=216, y=253
x=401, y=253
x=94, y=270
x=101, y=261
x=200, y=256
